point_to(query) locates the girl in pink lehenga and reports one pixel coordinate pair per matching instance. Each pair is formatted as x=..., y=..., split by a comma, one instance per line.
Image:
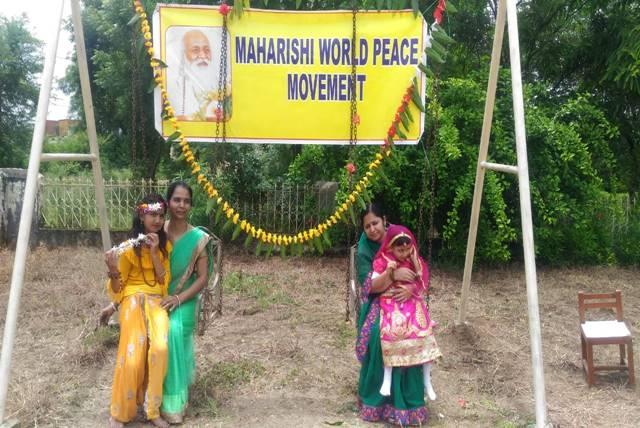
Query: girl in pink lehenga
x=405, y=327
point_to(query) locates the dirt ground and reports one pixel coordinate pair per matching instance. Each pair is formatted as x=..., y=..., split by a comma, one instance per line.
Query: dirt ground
x=282, y=354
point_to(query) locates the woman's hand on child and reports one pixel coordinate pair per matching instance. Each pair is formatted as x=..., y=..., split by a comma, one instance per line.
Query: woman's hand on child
x=401, y=294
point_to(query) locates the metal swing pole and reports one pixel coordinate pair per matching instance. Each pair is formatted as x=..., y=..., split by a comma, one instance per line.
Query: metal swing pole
x=36, y=156
x=525, y=216
x=26, y=215
x=507, y=12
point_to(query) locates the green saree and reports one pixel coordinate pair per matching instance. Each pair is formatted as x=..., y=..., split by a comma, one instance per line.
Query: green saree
x=182, y=322
x=405, y=405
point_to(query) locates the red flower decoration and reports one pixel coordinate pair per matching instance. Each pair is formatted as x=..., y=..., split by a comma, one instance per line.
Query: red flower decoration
x=402, y=107
x=396, y=119
x=224, y=9
x=355, y=119
x=351, y=168
x=218, y=113
x=406, y=98
x=437, y=13
x=392, y=131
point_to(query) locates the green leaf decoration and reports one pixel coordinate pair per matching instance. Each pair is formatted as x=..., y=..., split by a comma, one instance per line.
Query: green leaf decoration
x=218, y=214
x=238, y=7
x=405, y=120
x=173, y=137
x=416, y=8
x=327, y=240
x=247, y=241
x=317, y=245
x=297, y=249
x=227, y=225
x=135, y=18
x=298, y=3
x=361, y=202
x=345, y=217
x=438, y=47
x=379, y=4
x=266, y=2
x=211, y=203
x=366, y=196
x=382, y=175
x=390, y=4
x=451, y=8
x=258, y=248
x=152, y=86
x=440, y=35
x=161, y=63
x=283, y=251
x=236, y=232
x=352, y=214
x=431, y=53
x=426, y=70
x=409, y=115
x=400, y=133
x=417, y=100
x=269, y=250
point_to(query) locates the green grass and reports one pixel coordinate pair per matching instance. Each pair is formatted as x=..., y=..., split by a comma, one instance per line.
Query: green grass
x=344, y=334
x=105, y=337
x=257, y=287
x=220, y=379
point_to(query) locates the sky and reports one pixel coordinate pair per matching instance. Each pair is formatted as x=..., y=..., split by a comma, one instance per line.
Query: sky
x=42, y=16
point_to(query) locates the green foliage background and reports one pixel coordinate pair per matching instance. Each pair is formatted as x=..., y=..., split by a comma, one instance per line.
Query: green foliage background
x=582, y=103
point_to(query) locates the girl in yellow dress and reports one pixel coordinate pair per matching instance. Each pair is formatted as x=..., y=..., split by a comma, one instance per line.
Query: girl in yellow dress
x=138, y=280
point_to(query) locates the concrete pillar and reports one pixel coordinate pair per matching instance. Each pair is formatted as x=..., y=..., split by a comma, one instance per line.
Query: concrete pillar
x=12, y=185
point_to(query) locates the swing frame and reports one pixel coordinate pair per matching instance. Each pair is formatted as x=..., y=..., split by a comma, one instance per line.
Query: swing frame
x=506, y=12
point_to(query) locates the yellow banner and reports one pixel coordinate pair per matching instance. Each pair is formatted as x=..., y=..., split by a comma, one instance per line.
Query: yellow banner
x=288, y=73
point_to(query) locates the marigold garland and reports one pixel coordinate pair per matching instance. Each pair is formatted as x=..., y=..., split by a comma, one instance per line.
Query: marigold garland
x=311, y=235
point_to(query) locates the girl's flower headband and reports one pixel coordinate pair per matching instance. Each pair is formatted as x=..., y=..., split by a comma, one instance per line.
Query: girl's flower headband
x=150, y=208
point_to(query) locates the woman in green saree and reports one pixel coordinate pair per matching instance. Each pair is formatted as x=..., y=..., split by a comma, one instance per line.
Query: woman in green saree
x=405, y=405
x=191, y=266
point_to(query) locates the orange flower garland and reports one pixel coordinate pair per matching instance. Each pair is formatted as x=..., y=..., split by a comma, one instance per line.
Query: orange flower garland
x=233, y=217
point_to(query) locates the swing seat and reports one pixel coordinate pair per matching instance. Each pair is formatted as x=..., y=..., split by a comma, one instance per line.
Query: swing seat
x=606, y=332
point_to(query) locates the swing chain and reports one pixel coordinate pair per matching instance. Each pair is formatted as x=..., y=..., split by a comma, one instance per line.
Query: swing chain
x=134, y=93
x=429, y=150
x=353, y=139
x=220, y=112
x=353, y=136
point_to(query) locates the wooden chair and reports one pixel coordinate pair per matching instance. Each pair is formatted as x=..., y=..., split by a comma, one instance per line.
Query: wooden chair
x=612, y=332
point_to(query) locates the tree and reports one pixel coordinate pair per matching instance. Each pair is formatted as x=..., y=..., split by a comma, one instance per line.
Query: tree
x=20, y=65
x=593, y=47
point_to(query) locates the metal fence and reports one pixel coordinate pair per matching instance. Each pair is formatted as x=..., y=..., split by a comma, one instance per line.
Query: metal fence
x=69, y=204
